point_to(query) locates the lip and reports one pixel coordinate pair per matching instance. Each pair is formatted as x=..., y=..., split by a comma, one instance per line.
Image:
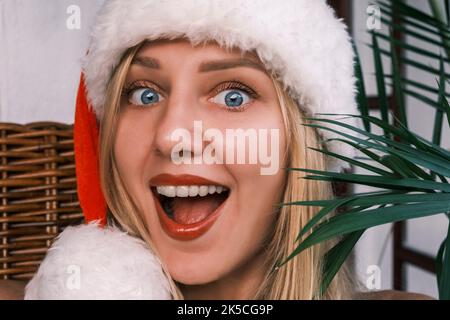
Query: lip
x=176, y=230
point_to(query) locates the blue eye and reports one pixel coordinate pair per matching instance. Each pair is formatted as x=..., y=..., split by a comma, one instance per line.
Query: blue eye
x=232, y=98
x=144, y=96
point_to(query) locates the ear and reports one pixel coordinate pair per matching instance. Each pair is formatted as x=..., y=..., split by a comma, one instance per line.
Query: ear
x=86, y=136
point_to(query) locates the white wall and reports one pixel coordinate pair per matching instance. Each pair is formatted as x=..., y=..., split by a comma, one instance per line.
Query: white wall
x=39, y=58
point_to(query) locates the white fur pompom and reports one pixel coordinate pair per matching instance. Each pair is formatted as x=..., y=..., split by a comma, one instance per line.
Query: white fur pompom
x=89, y=262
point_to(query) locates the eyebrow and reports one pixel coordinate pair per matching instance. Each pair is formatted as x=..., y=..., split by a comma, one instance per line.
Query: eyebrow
x=207, y=66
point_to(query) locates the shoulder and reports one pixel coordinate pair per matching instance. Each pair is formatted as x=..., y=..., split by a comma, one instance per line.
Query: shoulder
x=392, y=295
x=12, y=289
x=91, y=262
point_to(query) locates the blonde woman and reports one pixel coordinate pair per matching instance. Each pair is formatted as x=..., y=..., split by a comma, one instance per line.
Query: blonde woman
x=172, y=86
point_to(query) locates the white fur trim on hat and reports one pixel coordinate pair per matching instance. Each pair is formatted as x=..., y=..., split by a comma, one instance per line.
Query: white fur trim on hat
x=89, y=262
x=301, y=41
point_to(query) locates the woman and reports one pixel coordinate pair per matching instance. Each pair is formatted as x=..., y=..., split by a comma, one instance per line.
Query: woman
x=174, y=85
x=233, y=256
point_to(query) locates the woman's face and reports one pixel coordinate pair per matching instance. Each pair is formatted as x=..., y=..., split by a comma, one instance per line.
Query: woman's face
x=177, y=149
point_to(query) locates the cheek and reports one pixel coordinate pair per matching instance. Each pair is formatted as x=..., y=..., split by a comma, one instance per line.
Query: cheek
x=130, y=151
x=258, y=194
x=266, y=175
x=257, y=199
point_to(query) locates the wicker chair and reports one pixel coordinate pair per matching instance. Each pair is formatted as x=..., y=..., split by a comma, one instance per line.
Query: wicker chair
x=38, y=193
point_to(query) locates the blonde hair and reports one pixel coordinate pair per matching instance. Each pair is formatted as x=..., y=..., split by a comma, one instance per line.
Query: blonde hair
x=298, y=279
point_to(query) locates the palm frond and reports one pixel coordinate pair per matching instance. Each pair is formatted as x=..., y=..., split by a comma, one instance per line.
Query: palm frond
x=410, y=173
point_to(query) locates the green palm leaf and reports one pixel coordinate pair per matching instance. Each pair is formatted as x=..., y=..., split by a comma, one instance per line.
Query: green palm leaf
x=411, y=172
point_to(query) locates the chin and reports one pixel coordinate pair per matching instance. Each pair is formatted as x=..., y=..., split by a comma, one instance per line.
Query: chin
x=194, y=274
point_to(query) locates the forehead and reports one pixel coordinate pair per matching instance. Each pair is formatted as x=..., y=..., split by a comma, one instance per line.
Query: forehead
x=182, y=46
x=207, y=56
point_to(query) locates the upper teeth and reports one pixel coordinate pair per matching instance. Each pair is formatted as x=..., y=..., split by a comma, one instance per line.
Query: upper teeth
x=189, y=191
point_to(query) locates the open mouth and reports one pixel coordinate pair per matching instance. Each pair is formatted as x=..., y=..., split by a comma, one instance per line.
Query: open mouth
x=187, y=205
x=190, y=204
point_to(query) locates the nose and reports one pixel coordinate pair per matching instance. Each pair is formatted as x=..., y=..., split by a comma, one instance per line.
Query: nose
x=175, y=134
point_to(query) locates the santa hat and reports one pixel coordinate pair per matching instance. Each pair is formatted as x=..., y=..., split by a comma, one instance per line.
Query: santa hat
x=301, y=41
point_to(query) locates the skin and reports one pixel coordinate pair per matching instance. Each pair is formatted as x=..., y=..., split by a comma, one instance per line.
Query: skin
x=227, y=262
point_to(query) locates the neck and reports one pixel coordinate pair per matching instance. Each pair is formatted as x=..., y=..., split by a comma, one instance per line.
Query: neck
x=240, y=284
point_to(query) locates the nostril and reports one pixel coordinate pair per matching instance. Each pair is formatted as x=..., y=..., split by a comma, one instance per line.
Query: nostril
x=185, y=154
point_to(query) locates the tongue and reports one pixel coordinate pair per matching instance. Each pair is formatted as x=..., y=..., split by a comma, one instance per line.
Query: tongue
x=191, y=210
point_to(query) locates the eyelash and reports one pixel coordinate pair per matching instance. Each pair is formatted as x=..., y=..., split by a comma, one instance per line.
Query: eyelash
x=233, y=84
x=139, y=84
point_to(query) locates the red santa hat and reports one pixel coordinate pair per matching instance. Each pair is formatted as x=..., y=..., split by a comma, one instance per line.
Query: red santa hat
x=86, y=134
x=301, y=41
